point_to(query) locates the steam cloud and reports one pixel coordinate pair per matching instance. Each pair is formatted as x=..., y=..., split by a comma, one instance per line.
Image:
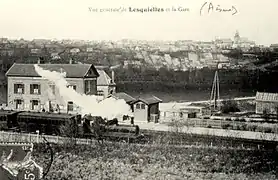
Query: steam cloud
x=89, y=104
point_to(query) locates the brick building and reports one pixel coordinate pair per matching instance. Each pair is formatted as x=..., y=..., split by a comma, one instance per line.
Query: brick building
x=29, y=91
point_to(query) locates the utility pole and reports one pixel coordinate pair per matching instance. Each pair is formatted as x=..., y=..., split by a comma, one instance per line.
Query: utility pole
x=215, y=95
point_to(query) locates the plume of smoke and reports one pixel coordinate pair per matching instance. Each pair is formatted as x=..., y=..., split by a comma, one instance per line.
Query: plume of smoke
x=89, y=104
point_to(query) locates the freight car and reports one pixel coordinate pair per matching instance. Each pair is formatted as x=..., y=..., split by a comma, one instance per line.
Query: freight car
x=51, y=123
x=25, y=121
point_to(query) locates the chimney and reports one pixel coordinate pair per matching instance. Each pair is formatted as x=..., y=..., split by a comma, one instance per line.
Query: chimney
x=70, y=61
x=113, y=76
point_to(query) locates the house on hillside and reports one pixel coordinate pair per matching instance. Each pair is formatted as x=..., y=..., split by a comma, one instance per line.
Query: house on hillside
x=146, y=109
x=27, y=90
x=266, y=102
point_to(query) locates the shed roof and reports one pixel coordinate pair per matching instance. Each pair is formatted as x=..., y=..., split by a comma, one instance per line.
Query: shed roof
x=148, y=99
x=124, y=96
x=72, y=70
x=262, y=96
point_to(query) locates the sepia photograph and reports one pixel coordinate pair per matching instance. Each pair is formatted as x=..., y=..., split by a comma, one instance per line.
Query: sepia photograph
x=138, y=90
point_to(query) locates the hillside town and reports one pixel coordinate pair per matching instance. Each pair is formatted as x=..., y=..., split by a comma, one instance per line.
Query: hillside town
x=177, y=55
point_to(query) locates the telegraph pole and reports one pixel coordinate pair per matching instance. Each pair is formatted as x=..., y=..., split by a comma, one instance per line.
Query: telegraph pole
x=215, y=95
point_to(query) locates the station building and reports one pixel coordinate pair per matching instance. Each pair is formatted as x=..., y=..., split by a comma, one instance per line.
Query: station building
x=28, y=91
x=144, y=108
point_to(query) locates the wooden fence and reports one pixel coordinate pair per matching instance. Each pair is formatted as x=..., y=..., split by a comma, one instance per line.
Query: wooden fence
x=218, y=124
x=35, y=138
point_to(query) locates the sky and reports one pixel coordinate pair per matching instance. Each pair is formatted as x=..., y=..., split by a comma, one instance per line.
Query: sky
x=72, y=19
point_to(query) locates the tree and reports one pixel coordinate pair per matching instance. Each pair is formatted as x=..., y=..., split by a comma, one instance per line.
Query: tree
x=70, y=130
x=229, y=106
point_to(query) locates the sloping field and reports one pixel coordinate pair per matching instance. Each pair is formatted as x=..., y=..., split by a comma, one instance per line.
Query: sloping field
x=131, y=161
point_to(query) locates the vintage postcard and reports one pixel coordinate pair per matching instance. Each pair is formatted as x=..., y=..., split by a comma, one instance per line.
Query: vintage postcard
x=182, y=89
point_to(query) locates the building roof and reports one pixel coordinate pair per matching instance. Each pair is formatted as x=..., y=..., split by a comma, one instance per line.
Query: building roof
x=72, y=70
x=124, y=96
x=148, y=99
x=103, y=79
x=272, y=97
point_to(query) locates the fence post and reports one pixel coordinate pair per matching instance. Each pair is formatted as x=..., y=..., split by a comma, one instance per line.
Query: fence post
x=221, y=122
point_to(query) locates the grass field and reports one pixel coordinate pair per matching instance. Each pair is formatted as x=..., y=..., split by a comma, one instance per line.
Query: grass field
x=125, y=161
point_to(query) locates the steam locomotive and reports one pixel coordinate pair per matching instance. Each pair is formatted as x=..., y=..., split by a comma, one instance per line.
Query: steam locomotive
x=64, y=124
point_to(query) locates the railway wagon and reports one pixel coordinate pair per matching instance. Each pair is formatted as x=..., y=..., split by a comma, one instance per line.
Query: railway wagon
x=46, y=123
x=8, y=120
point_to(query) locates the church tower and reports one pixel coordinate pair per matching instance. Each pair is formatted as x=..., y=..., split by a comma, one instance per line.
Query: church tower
x=237, y=38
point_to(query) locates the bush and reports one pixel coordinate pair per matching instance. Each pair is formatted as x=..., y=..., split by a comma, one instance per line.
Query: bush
x=267, y=130
x=251, y=127
x=236, y=127
x=225, y=126
x=243, y=127
x=260, y=129
x=229, y=106
x=275, y=129
x=209, y=126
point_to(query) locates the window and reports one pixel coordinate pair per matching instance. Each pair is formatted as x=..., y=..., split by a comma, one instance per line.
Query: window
x=19, y=88
x=18, y=103
x=72, y=86
x=142, y=106
x=70, y=106
x=138, y=106
x=35, y=89
x=34, y=104
x=52, y=87
x=100, y=93
x=88, y=86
